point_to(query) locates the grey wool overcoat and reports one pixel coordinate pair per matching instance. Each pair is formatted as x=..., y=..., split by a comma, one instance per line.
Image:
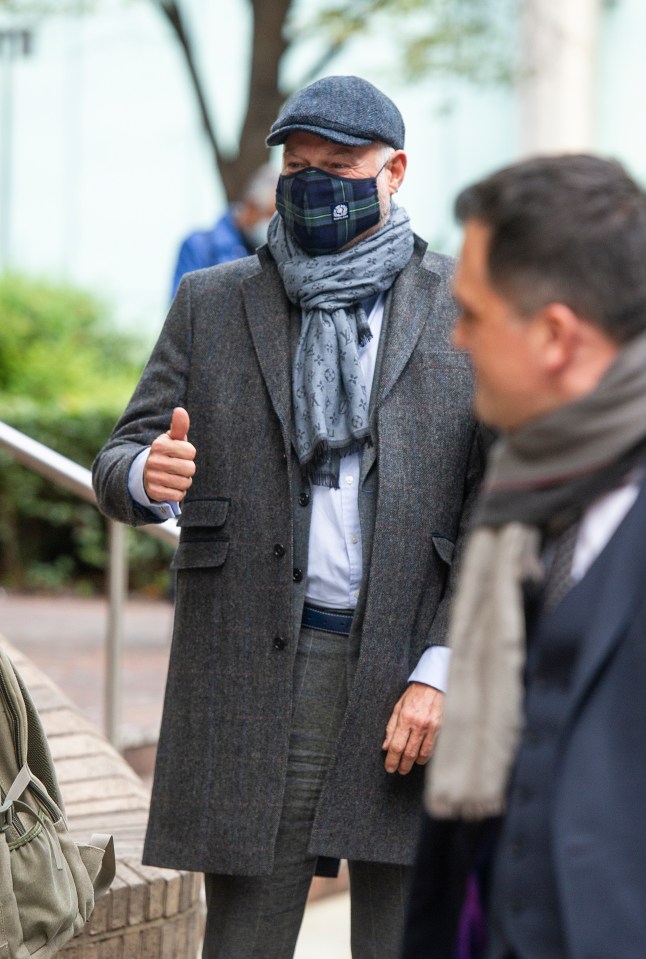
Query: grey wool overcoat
x=225, y=355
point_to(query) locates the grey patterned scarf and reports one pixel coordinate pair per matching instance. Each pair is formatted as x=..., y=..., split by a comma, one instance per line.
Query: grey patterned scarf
x=539, y=478
x=329, y=395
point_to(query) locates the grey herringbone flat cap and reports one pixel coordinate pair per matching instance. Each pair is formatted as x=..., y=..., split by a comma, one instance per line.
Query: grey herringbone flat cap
x=346, y=110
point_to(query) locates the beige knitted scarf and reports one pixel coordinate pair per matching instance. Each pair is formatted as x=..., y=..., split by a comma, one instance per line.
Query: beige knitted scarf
x=539, y=479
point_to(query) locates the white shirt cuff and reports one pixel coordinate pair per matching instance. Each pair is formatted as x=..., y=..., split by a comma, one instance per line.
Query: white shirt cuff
x=433, y=667
x=138, y=493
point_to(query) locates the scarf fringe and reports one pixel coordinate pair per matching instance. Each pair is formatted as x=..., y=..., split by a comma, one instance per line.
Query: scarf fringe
x=323, y=479
x=324, y=451
x=471, y=810
x=322, y=468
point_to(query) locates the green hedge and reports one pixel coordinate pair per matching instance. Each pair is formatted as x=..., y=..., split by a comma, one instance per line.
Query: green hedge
x=65, y=377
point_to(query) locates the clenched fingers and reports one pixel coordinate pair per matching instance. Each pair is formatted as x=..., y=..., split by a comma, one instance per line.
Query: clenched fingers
x=169, y=469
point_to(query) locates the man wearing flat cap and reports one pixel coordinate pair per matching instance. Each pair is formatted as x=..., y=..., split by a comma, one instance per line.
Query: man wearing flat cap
x=324, y=477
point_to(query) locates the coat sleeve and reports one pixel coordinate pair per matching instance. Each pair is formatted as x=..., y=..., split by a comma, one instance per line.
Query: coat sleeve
x=163, y=386
x=482, y=440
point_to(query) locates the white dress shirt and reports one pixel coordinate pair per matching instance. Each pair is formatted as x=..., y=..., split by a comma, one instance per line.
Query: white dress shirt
x=600, y=522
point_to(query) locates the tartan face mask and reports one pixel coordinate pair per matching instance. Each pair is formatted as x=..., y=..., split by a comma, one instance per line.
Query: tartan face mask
x=323, y=211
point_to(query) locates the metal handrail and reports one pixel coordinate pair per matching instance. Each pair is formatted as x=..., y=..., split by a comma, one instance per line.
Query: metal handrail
x=68, y=474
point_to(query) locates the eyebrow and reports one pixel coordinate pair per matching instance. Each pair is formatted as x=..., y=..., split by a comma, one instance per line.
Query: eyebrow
x=333, y=151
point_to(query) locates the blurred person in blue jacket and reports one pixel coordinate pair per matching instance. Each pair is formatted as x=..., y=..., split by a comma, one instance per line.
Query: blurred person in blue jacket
x=237, y=233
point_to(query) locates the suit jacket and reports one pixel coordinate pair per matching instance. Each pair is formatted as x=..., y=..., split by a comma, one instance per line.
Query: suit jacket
x=224, y=354
x=595, y=800
x=597, y=806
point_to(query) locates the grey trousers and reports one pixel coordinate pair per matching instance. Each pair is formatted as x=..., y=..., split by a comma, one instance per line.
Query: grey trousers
x=260, y=917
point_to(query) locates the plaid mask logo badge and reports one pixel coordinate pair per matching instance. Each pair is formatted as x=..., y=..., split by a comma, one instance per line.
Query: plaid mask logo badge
x=324, y=212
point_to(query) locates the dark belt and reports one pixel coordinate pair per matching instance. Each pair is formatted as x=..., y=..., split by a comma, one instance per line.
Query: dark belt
x=337, y=621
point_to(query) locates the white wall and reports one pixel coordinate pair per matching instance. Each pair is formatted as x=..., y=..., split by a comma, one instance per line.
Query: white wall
x=560, y=41
x=620, y=128
x=109, y=168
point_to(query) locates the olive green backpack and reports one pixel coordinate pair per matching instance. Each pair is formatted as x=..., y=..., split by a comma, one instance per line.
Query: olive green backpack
x=48, y=883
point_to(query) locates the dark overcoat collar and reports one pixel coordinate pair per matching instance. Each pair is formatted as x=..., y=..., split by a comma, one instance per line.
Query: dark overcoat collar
x=267, y=310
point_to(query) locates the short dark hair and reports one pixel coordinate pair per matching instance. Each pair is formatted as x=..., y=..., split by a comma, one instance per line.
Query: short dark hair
x=566, y=229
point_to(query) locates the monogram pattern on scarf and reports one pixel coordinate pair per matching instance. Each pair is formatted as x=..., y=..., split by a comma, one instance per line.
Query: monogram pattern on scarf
x=330, y=398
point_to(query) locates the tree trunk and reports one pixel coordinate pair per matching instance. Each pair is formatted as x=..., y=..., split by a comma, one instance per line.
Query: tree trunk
x=264, y=99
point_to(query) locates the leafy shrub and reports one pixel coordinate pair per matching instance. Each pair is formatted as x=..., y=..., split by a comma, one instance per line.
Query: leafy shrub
x=65, y=377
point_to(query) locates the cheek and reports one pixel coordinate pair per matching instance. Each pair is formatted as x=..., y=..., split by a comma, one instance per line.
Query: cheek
x=384, y=193
x=497, y=365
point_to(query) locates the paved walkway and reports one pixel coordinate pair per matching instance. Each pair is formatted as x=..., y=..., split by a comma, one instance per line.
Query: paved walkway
x=65, y=637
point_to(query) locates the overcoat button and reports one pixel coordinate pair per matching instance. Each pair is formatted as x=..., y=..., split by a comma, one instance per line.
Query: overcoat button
x=298, y=574
x=284, y=457
x=304, y=499
x=279, y=642
x=279, y=550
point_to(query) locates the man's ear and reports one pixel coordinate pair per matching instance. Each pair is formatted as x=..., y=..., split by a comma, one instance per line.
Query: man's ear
x=559, y=329
x=575, y=352
x=396, y=168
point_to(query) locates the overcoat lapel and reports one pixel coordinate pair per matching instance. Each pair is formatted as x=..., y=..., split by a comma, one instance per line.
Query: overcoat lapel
x=408, y=310
x=406, y=313
x=268, y=310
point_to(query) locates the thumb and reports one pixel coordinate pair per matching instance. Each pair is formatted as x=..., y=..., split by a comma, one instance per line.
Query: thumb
x=179, y=424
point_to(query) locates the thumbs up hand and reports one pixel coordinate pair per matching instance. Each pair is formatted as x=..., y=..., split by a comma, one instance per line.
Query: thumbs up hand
x=170, y=466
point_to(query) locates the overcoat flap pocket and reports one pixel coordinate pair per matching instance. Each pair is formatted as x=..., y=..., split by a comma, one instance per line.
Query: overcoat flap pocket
x=444, y=548
x=204, y=512
x=197, y=555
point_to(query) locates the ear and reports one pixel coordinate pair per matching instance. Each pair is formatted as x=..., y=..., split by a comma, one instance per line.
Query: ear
x=575, y=352
x=559, y=329
x=396, y=169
